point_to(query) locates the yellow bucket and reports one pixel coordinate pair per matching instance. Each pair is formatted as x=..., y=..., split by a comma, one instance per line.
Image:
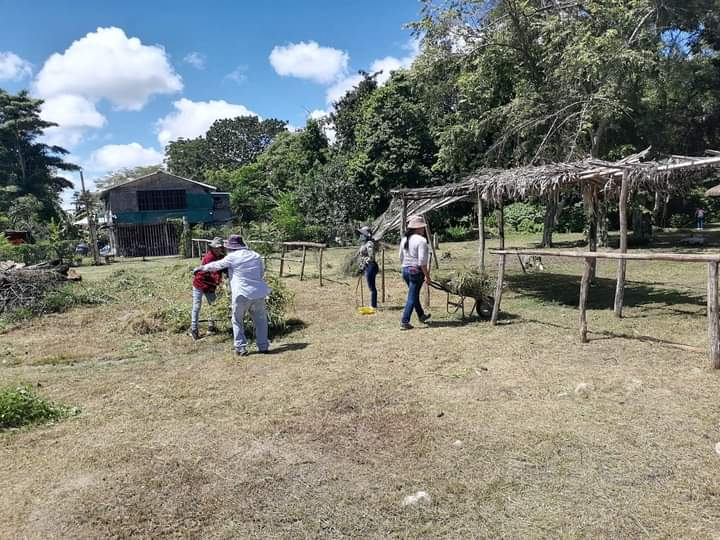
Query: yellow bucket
x=366, y=311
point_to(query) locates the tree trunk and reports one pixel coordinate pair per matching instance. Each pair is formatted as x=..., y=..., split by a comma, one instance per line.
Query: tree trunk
x=591, y=211
x=551, y=213
x=602, y=222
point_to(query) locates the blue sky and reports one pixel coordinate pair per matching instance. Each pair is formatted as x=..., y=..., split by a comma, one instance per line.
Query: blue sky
x=158, y=69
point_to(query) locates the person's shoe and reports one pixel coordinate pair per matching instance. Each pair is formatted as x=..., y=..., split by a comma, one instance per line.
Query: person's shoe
x=425, y=318
x=242, y=352
x=212, y=329
x=406, y=326
x=266, y=351
x=194, y=334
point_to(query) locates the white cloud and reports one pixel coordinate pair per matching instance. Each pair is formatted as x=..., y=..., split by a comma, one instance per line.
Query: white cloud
x=340, y=88
x=308, y=60
x=73, y=114
x=195, y=59
x=238, y=75
x=390, y=63
x=385, y=67
x=328, y=126
x=193, y=118
x=106, y=64
x=112, y=157
x=13, y=68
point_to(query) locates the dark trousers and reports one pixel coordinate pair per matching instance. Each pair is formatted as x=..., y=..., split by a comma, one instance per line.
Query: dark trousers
x=414, y=278
x=371, y=272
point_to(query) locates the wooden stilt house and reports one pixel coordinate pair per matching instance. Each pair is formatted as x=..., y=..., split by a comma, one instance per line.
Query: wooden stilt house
x=138, y=212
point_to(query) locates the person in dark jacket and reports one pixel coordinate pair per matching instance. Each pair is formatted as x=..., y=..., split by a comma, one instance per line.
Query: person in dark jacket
x=368, y=264
x=205, y=284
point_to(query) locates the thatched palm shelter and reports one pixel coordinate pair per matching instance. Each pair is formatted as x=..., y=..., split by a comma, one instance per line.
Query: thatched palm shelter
x=497, y=187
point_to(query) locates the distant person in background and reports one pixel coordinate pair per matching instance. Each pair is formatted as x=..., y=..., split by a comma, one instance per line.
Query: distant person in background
x=414, y=258
x=205, y=284
x=368, y=264
x=700, y=218
x=249, y=290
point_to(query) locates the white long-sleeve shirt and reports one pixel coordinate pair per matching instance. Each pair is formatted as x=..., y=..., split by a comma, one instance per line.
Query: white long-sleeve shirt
x=417, y=252
x=245, y=270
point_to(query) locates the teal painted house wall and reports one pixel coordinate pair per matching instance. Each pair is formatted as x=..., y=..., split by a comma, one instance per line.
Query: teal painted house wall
x=199, y=210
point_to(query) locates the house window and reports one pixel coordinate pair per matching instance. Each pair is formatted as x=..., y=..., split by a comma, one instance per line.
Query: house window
x=166, y=199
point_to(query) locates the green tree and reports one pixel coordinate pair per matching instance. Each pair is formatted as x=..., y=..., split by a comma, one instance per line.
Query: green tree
x=348, y=110
x=394, y=144
x=123, y=175
x=27, y=166
x=234, y=142
x=188, y=158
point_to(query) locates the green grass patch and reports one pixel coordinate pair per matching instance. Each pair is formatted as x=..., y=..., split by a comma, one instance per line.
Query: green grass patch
x=21, y=406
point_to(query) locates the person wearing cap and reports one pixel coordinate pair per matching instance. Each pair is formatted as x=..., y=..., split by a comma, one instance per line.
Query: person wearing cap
x=368, y=264
x=414, y=258
x=205, y=284
x=248, y=291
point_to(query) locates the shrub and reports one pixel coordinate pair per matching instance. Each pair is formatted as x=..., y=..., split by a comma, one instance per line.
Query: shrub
x=457, y=233
x=20, y=406
x=572, y=219
x=525, y=217
x=681, y=221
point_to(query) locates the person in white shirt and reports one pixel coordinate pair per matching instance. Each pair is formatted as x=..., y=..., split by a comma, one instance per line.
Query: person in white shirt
x=414, y=258
x=248, y=289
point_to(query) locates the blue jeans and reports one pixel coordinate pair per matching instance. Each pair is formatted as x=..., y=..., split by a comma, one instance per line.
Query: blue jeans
x=241, y=306
x=414, y=278
x=371, y=273
x=701, y=223
x=197, y=304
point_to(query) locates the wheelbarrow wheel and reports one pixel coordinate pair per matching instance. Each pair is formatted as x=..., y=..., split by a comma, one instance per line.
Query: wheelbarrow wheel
x=485, y=306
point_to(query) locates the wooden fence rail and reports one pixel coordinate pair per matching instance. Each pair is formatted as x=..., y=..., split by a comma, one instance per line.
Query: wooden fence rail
x=712, y=261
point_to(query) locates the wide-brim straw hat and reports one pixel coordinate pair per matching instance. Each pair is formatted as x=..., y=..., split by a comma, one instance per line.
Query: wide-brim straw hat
x=416, y=222
x=235, y=241
x=216, y=242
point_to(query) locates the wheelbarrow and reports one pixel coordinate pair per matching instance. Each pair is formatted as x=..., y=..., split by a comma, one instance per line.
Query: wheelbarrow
x=482, y=306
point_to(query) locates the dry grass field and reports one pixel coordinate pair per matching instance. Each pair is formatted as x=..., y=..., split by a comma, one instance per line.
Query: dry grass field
x=325, y=437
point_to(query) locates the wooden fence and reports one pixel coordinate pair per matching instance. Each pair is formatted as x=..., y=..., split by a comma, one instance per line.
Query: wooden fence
x=712, y=261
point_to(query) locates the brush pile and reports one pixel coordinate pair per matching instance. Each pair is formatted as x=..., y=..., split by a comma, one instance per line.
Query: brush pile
x=469, y=283
x=26, y=287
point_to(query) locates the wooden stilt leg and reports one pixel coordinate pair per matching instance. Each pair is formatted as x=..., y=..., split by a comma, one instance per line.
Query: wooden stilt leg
x=713, y=316
x=584, y=286
x=498, y=290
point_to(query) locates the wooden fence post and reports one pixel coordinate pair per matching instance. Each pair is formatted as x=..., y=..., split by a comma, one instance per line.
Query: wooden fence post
x=713, y=317
x=622, y=264
x=403, y=217
x=481, y=232
x=498, y=290
x=282, y=260
x=584, y=286
x=302, y=264
x=382, y=275
x=320, y=265
x=501, y=225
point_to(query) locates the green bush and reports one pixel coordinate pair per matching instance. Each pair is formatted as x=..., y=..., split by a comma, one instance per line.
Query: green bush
x=572, y=219
x=457, y=233
x=681, y=221
x=525, y=217
x=288, y=219
x=20, y=406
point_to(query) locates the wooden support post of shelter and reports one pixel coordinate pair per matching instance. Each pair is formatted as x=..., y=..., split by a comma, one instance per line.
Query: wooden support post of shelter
x=498, y=290
x=382, y=270
x=403, y=217
x=320, y=264
x=501, y=226
x=481, y=232
x=302, y=264
x=282, y=260
x=622, y=263
x=713, y=316
x=584, y=286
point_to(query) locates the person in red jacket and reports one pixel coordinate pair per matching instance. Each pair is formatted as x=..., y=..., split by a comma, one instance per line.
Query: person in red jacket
x=204, y=284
